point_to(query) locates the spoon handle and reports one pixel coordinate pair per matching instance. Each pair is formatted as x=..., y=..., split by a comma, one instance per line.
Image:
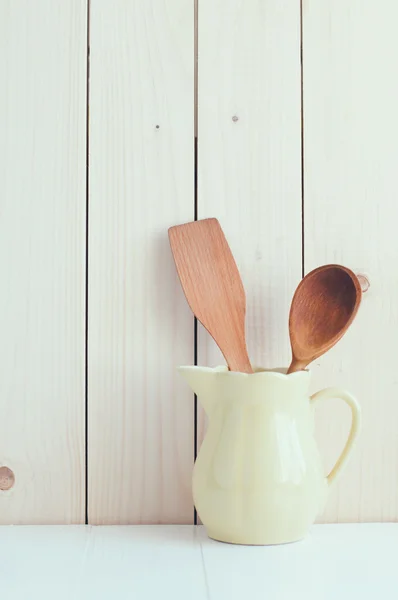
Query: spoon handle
x=296, y=365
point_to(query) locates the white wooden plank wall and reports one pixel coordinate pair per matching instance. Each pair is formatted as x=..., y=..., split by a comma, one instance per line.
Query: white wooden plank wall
x=351, y=158
x=42, y=258
x=142, y=103
x=249, y=141
x=141, y=419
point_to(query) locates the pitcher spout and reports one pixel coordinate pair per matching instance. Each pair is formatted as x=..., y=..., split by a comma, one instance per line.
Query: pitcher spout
x=200, y=380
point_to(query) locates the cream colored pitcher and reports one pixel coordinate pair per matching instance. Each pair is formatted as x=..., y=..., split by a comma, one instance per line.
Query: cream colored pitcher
x=258, y=477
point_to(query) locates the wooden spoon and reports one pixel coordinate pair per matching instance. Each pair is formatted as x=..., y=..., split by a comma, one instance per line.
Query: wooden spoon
x=212, y=286
x=323, y=307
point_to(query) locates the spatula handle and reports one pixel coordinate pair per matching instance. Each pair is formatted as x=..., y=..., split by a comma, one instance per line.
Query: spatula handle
x=241, y=364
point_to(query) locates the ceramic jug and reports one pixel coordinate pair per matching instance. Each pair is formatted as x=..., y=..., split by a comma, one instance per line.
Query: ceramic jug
x=258, y=477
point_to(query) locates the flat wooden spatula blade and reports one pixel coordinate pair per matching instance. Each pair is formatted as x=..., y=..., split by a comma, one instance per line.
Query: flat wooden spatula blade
x=212, y=285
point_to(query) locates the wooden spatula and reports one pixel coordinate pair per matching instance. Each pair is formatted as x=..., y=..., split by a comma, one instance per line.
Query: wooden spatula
x=212, y=286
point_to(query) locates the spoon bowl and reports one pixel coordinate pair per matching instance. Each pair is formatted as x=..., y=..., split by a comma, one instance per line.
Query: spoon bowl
x=323, y=307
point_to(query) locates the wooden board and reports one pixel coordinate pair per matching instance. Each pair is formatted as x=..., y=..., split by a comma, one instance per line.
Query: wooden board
x=140, y=439
x=351, y=157
x=180, y=562
x=249, y=161
x=42, y=259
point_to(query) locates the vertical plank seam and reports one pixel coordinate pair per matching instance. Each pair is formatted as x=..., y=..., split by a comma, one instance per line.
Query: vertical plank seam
x=302, y=140
x=195, y=330
x=205, y=571
x=87, y=249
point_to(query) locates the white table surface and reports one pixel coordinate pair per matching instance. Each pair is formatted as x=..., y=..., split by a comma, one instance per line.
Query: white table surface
x=181, y=563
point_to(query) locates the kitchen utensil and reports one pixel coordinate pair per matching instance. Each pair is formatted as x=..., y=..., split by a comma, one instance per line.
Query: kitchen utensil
x=322, y=309
x=212, y=286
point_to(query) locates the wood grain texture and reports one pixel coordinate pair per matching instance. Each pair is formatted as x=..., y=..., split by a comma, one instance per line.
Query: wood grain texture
x=323, y=307
x=140, y=326
x=249, y=160
x=42, y=258
x=212, y=286
x=351, y=157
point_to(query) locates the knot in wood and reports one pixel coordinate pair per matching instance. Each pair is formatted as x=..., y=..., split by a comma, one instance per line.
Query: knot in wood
x=7, y=479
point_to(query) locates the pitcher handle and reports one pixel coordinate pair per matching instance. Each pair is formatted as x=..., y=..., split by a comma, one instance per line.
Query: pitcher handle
x=349, y=399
